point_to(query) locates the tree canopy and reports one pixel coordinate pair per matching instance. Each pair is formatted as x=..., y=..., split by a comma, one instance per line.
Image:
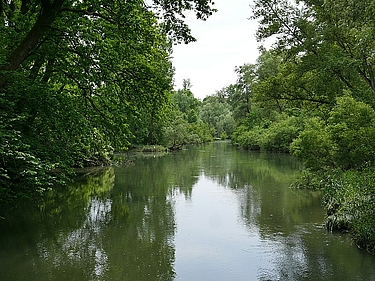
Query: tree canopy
x=79, y=78
x=325, y=40
x=312, y=94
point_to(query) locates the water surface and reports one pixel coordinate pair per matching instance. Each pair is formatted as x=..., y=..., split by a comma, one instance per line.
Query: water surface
x=210, y=212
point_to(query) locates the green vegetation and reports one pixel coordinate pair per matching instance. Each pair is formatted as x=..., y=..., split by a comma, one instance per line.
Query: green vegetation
x=312, y=94
x=349, y=199
x=80, y=80
x=184, y=126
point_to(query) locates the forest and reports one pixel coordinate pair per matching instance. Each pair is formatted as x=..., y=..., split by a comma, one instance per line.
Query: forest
x=80, y=81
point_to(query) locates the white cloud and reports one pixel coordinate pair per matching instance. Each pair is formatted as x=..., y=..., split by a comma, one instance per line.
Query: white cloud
x=224, y=41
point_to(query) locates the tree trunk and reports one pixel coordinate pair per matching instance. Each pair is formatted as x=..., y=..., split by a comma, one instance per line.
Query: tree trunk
x=48, y=14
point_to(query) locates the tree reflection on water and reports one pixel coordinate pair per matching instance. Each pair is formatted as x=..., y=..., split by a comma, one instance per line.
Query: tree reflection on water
x=121, y=223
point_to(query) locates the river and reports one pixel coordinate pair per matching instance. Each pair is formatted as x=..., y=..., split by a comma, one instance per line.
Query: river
x=209, y=212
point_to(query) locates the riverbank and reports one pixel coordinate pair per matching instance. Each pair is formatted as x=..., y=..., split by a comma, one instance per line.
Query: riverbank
x=349, y=198
x=208, y=212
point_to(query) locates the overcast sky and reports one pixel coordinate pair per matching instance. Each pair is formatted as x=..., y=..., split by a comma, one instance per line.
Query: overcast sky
x=224, y=41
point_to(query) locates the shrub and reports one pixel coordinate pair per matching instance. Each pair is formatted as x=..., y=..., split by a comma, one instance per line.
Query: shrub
x=313, y=145
x=352, y=128
x=276, y=136
x=345, y=141
x=249, y=139
x=281, y=134
x=350, y=199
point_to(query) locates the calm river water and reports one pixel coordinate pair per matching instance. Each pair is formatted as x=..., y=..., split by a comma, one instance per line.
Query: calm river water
x=210, y=212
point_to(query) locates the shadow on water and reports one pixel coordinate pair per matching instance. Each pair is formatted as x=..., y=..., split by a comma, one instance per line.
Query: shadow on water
x=209, y=212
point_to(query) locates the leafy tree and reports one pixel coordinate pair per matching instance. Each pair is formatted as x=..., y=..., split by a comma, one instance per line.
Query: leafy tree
x=314, y=145
x=176, y=134
x=326, y=76
x=217, y=115
x=328, y=44
x=257, y=85
x=186, y=102
x=261, y=108
x=281, y=133
x=184, y=125
x=76, y=79
x=243, y=89
x=34, y=19
x=344, y=141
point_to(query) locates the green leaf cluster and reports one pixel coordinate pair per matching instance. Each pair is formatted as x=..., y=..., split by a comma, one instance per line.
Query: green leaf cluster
x=269, y=136
x=184, y=124
x=80, y=80
x=217, y=113
x=349, y=199
x=344, y=140
x=313, y=93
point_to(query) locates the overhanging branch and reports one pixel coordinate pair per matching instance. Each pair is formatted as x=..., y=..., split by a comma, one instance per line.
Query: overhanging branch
x=90, y=13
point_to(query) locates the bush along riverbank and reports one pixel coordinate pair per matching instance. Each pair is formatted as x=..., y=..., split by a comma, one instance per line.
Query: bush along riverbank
x=349, y=198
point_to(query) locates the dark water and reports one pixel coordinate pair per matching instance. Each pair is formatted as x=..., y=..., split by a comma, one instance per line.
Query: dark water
x=207, y=213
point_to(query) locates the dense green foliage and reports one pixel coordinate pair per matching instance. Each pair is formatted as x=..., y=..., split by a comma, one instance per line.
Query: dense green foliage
x=345, y=140
x=312, y=94
x=79, y=80
x=216, y=112
x=349, y=197
x=183, y=125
